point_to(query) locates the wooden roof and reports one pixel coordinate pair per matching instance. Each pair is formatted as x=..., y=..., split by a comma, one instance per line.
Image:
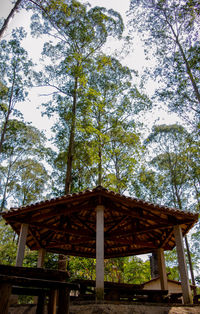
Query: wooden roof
x=67, y=225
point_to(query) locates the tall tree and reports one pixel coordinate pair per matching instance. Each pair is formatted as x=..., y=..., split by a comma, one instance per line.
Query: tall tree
x=22, y=153
x=80, y=33
x=171, y=31
x=173, y=146
x=15, y=68
x=109, y=122
x=172, y=158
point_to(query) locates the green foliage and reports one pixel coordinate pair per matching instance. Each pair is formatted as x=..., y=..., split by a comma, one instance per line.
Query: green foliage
x=174, y=173
x=23, y=176
x=82, y=268
x=172, y=265
x=170, y=32
x=8, y=245
x=127, y=270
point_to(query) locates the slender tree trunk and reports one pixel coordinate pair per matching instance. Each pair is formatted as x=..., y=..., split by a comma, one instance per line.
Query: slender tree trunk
x=99, y=151
x=5, y=189
x=188, y=68
x=9, y=17
x=71, y=141
x=3, y=132
x=117, y=174
x=62, y=261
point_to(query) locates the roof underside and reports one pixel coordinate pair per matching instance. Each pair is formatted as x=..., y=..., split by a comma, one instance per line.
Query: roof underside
x=67, y=225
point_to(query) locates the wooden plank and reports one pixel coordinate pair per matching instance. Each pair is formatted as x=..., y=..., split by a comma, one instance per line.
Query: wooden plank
x=63, y=301
x=33, y=272
x=40, y=303
x=5, y=292
x=27, y=282
x=52, y=302
x=28, y=291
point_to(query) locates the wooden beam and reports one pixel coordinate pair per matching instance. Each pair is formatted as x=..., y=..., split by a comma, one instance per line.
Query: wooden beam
x=170, y=234
x=117, y=224
x=34, y=238
x=128, y=233
x=5, y=292
x=70, y=231
x=144, y=217
x=85, y=224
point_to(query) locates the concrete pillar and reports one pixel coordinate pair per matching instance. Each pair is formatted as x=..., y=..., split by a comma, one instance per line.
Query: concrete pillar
x=99, y=253
x=41, y=256
x=40, y=264
x=162, y=269
x=21, y=244
x=187, y=296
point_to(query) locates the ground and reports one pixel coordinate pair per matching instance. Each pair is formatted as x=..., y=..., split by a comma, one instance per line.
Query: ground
x=117, y=309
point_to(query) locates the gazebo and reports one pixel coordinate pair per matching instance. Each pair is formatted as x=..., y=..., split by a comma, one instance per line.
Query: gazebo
x=102, y=224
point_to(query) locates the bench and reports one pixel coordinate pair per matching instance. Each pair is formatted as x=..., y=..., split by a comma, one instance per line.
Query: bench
x=138, y=295
x=175, y=297
x=119, y=291
x=39, y=282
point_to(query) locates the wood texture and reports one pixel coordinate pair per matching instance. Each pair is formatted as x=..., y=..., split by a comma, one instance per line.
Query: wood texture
x=5, y=292
x=67, y=225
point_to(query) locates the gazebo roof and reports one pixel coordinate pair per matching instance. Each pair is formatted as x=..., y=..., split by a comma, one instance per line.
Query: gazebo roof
x=67, y=224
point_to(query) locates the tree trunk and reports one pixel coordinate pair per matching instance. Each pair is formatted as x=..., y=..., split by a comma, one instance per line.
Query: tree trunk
x=63, y=258
x=188, y=68
x=99, y=151
x=5, y=189
x=9, y=17
x=10, y=106
x=71, y=142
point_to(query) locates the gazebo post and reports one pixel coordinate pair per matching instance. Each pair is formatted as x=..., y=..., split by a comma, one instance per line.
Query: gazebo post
x=41, y=256
x=187, y=296
x=162, y=269
x=21, y=244
x=100, y=253
x=40, y=264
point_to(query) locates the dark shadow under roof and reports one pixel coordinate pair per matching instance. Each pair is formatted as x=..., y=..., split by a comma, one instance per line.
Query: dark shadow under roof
x=67, y=224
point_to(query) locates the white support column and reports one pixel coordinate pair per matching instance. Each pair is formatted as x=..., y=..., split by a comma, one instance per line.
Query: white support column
x=41, y=256
x=187, y=296
x=162, y=269
x=100, y=253
x=21, y=244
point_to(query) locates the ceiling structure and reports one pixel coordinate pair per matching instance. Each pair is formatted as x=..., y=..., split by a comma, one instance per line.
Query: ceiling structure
x=67, y=224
